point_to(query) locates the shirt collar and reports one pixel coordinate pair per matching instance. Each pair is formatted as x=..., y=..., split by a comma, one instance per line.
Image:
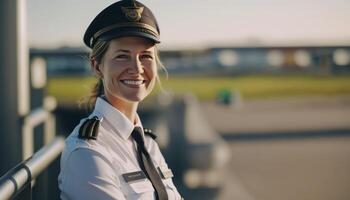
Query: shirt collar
x=116, y=118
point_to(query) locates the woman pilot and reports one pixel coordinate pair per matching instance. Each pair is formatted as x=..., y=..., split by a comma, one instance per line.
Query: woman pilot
x=109, y=155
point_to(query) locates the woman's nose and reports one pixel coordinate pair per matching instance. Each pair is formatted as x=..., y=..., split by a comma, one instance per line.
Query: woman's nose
x=136, y=67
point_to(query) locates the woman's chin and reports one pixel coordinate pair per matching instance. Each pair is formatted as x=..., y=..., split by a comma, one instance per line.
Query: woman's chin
x=129, y=97
x=134, y=97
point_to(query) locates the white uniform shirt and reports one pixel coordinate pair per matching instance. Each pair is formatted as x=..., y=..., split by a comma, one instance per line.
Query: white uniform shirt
x=93, y=169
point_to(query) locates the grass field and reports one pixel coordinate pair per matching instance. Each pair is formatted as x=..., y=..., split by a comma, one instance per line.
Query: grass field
x=71, y=89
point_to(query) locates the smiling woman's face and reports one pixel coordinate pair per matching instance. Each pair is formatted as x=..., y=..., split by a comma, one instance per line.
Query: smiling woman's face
x=128, y=69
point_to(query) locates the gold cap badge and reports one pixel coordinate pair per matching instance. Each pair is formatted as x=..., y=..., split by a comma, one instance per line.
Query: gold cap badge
x=133, y=13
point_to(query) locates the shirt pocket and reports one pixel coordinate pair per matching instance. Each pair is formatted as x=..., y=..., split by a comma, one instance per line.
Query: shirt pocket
x=141, y=189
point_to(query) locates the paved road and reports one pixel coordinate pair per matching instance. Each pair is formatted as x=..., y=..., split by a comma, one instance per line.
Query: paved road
x=305, y=168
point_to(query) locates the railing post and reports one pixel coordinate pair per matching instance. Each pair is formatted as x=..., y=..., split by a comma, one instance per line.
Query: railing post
x=14, y=81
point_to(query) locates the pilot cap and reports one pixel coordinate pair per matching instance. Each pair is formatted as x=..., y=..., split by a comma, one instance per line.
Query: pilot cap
x=123, y=18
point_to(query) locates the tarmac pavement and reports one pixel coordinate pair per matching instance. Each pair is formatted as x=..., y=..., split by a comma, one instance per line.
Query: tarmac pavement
x=280, y=115
x=303, y=168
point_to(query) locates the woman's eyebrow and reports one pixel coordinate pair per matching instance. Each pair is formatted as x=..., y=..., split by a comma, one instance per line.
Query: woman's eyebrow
x=127, y=51
x=147, y=51
x=121, y=50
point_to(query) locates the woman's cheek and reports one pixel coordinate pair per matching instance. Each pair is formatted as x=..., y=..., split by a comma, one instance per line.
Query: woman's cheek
x=113, y=64
x=153, y=69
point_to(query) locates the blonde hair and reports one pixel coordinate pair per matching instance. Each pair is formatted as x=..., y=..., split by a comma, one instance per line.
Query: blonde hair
x=96, y=54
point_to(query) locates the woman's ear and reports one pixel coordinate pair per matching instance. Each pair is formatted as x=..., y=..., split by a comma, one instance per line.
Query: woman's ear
x=96, y=66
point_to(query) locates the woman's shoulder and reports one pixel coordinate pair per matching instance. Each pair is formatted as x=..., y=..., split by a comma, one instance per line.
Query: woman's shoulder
x=76, y=140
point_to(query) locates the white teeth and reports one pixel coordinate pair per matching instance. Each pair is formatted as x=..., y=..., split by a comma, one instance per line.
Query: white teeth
x=132, y=82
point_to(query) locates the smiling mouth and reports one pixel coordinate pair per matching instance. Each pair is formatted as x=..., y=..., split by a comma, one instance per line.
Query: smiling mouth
x=133, y=82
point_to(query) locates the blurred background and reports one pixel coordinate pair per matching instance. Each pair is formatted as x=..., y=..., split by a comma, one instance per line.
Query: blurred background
x=256, y=104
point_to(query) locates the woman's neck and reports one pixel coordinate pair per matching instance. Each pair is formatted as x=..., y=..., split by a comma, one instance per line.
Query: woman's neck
x=129, y=109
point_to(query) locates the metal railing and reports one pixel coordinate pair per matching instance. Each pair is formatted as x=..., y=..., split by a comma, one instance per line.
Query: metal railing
x=34, y=118
x=19, y=178
x=19, y=181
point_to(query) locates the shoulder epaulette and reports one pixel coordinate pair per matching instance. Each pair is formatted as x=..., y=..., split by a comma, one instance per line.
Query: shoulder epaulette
x=89, y=128
x=149, y=132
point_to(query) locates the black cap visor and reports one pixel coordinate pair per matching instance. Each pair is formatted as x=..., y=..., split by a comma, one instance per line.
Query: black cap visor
x=117, y=33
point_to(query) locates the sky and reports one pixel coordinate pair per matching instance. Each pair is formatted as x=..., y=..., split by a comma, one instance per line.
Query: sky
x=189, y=24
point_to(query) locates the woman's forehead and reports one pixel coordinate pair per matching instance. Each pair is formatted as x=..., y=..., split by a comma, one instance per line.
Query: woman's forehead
x=132, y=43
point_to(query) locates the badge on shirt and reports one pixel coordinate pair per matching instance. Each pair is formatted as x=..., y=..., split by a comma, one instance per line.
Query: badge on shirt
x=134, y=176
x=165, y=172
x=138, y=182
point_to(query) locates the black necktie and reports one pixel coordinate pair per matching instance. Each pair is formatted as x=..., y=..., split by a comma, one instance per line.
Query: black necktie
x=147, y=165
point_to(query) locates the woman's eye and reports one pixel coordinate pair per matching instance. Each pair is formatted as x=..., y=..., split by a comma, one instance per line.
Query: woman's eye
x=122, y=56
x=147, y=56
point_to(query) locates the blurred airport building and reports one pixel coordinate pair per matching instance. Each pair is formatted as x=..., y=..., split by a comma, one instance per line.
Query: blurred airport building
x=218, y=60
